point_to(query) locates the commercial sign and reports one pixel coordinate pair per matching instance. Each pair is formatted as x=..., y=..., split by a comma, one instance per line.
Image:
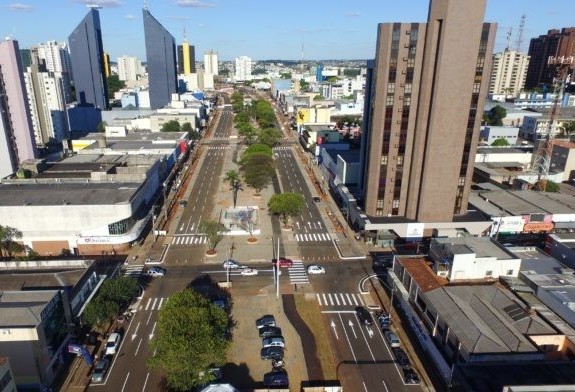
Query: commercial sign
x=414, y=230
x=507, y=224
x=537, y=227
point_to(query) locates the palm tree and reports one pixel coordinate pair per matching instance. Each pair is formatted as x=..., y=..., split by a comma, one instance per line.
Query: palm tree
x=233, y=177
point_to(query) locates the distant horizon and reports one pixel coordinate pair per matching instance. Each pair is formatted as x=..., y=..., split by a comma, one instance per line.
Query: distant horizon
x=308, y=30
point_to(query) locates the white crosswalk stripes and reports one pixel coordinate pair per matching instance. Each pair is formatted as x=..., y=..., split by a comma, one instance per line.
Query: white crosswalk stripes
x=153, y=304
x=282, y=148
x=193, y=239
x=133, y=270
x=339, y=299
x=298, y=273
x=313, y=237
x=218, y=147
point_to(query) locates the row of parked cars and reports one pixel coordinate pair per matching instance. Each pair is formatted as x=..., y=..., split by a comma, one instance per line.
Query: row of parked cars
x=273, y=345
x=111, y=348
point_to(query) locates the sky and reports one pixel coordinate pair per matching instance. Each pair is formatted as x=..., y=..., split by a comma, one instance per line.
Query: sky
x=262, y=29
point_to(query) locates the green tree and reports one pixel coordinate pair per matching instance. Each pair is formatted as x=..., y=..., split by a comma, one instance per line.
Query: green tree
x=190, y=340
x=187, y=127
x=303, y=85
x=285, y=75
x=257, y=148
x=102, y=126
x=8, y=237
x=213, y=231
x=258, y=170
x=495, y=116
x=501, y=142
x=552, y=186
x=113, y=297
x=194, y=135
x=270, y=136
x=248, y=132
x=114, y=84
x=286, y=205
x=233, y=177
x=171, y=126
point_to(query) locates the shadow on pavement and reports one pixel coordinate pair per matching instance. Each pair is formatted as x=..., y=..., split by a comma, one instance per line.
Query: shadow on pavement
x=239, y=376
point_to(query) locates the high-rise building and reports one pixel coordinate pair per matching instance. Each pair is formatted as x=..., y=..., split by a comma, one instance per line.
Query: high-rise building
x=16, y=135
x=425, y=93
x=554, y=43
x=106, y=66
x=161, y=61
x=211, y=63
x=87, y=57
x=186, y=59
x=508, y=73
x=54, y=55
x=47, y=100
x=243, y=68
x=129, y=68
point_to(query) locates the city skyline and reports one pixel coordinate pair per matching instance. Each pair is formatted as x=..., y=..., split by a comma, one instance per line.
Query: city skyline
x=342, y=31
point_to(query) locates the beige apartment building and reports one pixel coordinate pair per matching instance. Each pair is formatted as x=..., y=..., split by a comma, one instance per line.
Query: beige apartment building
x=508, y=73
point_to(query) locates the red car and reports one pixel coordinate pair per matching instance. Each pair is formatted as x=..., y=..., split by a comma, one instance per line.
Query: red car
x=283, y=263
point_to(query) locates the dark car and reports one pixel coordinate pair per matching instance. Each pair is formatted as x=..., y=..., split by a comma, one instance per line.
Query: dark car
x=283, y=263
x=272, y=353
x=276, y=379
x=410, y=377
x=267, y=320
x=100, y=370
x=269, y=331
x=401, y=357
x=363, y=315
x=383, y=319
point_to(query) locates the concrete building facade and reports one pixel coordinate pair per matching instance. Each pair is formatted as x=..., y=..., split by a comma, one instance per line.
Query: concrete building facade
x=87, y=57
x=161, y=61
x=243, y=70
x=211, y=63
x=16, y=131
x=508, y=73
x=186, y=59
x=425, y=94
x=129, y=68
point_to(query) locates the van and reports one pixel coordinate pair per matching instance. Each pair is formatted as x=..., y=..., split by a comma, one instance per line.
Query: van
x=276, y=341
x=392, y=339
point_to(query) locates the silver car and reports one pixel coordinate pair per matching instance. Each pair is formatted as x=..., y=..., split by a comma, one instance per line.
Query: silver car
x=276, y=341
x=100, y=370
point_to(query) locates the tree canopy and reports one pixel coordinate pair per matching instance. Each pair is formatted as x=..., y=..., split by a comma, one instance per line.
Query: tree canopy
x=213, y=231
x=8, y=244
x=191, y=338
x=501, y=142
x=171, y=126
x=269, y=136
x=286, y=205
x=113, y=296
x=114, y=84
x=495, y=116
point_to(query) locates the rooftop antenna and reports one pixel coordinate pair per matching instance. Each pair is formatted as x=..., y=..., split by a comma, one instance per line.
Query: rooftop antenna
x=519, y=42
x=185, y=37
x=509, y=33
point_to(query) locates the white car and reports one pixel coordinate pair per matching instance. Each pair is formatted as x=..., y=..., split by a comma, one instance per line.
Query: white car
x=156, y=271
x=315, y=270
x=231, y=264
x=113, y=343
x=249, y=272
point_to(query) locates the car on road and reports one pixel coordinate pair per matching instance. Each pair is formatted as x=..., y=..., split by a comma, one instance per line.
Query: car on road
x=276, y=379
x=267, y=332
x=315, y=269
x=231, y=264
x=249, y=272
x=274, y=341
x=267, y=320
x=392, y=339
x=156, y=271
x=100, y=370
x=410, y=376
x=113, y=343
x=401, y=357
x=272, y=353
x=283, y=262
x=363, y=315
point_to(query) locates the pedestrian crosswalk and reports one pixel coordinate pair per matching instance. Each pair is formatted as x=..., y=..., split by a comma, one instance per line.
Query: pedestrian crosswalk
x=152, y=303
x=192, y=239
x=281, y=148
x=339, y=299
x=309, y=237
x=298, y=273
x=218, y=147
x=133, y=270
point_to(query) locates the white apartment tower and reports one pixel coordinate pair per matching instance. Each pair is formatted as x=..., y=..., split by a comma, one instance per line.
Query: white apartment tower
x=211, y=62
x=243, y=68
x=56, y=56
x=508, y=73
x=129, y=68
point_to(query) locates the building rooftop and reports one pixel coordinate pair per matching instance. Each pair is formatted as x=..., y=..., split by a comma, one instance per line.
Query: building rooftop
x=23, y=308
x=499, y=150
x=481, y=246
x=47, y=279
x=527, y=202
x=420, y=271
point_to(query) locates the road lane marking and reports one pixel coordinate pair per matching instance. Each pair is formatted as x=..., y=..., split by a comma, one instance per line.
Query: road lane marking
x=364, y=387
x=347, y=337
x=352, y=326
x=324, y=298
x=125, y=381
x=136, y=331
x=149, y=317
x=336, y=299
x=138, y=347
x=154, y=304
x=148, y=303
x=334, y=330
x=153, y=329
x=330, y=299
x=342, y=299
x=145, y=382
x=348, y=298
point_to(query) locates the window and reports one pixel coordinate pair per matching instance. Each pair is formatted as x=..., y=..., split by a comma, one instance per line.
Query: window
x=391, y=88
x=384, y=159
x=489, y=273
x=389, y=100
x=408, y=87
x=395, y=203
x=509, y=272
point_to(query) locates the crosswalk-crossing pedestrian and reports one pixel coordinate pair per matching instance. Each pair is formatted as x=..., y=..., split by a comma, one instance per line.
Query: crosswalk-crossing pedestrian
x=190, y=239
x=298, y=273
x=312, y=237
x=339, y=299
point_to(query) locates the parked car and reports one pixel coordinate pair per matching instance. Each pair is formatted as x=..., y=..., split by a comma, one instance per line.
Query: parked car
x=401, y=357
x=274, y=341
x=315, y=269
x=410, y=376
x=113, y=343
x=272, y=353
x=156, y=271
x=267, y=320
x=249, y=272
x=231, y=264
x=392, y=339
x=100, y=370
x=363, y=315
x=283, y=262
x=267, y=332
x=383, y=319
x=276, y=379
